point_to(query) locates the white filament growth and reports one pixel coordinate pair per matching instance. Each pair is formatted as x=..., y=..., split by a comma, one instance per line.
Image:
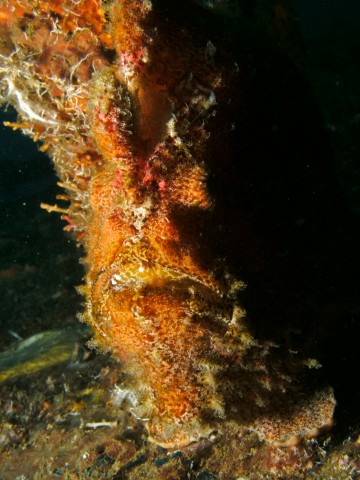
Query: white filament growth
x=25, y=107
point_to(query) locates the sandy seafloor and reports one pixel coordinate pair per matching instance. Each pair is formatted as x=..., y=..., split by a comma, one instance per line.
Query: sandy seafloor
x=62, y=412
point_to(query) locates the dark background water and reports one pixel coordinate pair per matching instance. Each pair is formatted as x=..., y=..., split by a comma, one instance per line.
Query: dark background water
x=317, y=16
x=38, y=262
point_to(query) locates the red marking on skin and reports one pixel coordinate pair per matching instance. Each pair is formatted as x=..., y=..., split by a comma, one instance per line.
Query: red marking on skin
x=102, y=117
x=162, y=185
x=119, y=179
x=133, y=59
x=148, y=175
x=109, y=120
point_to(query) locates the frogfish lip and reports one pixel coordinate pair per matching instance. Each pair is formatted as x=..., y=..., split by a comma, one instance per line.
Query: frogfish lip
x=136, y=276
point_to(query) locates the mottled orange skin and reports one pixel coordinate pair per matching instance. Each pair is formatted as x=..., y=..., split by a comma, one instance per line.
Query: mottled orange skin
x=130, y=142
x=150, y=317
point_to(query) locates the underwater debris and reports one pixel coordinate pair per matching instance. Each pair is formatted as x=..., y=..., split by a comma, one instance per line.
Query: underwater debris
x=40, y=351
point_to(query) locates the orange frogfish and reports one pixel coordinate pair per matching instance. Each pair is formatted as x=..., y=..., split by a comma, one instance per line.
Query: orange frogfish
x=143, y=107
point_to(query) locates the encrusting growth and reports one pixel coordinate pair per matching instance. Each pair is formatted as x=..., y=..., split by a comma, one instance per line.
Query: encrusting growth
x=124, y=104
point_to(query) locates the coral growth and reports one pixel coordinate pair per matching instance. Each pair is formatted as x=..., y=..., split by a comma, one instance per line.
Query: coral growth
x=137, y=116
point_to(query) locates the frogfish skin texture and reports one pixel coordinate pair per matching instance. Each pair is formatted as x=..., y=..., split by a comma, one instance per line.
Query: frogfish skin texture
x=138, y=110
